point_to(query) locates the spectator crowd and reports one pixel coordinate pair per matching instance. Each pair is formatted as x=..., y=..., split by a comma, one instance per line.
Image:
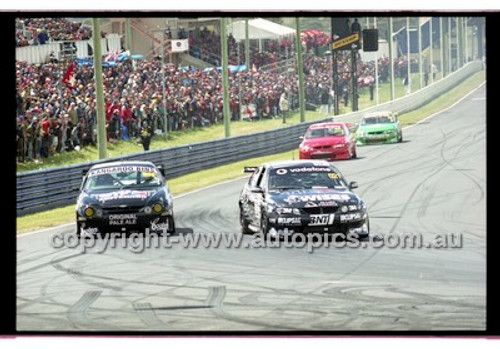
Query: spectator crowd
x=54, y=117
x=39, y=31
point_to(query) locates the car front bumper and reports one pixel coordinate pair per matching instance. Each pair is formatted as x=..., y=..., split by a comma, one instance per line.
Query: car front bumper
x=329, y=155
x=125, y=222
x=329, y=223
x=372, y=139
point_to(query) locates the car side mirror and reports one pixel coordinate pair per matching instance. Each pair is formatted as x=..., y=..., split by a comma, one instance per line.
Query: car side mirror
x=257, y=190
x=353, y=127
x=161, y=169
x=353, y=185
x=301, y=137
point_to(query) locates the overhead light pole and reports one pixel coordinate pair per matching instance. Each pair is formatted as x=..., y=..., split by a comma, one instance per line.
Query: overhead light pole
x=391, y=59
x=300, y=67
x=225, y=80
x=99, y=89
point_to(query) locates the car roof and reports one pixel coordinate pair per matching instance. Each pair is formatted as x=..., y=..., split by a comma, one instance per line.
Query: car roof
x=123, y=163
x=295, y=163
x=326, y=124
x=378, y=113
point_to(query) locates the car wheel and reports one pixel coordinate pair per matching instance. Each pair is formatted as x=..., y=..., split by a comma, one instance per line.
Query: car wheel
x=78, y=230
x=365, y=236
x=244, y=224
x=172, y=226
x=354, y=154
x=264, y=227
x=400, y=138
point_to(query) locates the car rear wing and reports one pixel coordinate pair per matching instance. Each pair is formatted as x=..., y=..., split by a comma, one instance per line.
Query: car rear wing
x=250, y=169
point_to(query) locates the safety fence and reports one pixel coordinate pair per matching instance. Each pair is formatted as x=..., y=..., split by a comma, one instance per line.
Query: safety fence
x=56, y=187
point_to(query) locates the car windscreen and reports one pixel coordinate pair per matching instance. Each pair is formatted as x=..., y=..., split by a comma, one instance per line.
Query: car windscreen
x=384, y=119
x=305, y=177
x=119, y=177
x=325, y=132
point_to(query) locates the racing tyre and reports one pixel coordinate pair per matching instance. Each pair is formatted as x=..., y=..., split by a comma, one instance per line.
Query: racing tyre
x=244, y=224
x=365, y=237
x=264, y=227
x=400, y=138
x=354, y=154
x=172, y=227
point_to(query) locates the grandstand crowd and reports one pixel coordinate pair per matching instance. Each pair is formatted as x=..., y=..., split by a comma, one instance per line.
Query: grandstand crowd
x=39, y=31
x=54, y=116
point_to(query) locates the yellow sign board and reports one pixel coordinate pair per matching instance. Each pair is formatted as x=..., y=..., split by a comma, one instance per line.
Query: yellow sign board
x=345, y=41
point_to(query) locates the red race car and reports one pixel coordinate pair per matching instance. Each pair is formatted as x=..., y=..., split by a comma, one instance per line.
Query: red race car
x=329, y=141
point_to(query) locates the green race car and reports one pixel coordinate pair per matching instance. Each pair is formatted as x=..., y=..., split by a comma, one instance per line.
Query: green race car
x=379, y=127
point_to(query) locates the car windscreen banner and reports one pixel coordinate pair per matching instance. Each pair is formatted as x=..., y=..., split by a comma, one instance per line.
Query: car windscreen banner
x=118, y=169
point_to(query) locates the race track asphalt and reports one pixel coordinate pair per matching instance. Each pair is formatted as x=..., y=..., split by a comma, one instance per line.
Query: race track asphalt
x=432, y=185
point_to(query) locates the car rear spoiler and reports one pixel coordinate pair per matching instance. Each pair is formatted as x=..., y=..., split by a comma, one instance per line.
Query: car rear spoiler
x=250, y=169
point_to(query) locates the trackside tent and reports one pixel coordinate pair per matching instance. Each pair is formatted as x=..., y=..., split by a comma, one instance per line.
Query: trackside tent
x=259, y=29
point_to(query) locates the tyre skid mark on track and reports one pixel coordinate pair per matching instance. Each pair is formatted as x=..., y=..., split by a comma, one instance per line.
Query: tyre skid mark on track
x=215, y=299
x=77, y=313
x=148, y=316
x=349, y=307
x=49, y=263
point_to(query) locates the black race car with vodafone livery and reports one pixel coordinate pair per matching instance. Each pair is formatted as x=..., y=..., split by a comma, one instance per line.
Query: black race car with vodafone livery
x=301, y=196
x=124, y=196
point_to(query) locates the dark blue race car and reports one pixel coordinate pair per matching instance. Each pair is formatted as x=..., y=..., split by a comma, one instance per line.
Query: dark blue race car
x=301, y=196
x=122, y=197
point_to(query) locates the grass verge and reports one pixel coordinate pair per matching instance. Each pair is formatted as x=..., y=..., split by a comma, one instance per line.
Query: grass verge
x=214, y=175
x=200, y=134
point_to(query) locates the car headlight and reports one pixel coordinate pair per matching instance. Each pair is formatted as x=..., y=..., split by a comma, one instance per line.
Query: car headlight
x=390, y=131
x=338, y=146
x=148, y=209
x=88, y=211
x=157, y=208
x=305, y=148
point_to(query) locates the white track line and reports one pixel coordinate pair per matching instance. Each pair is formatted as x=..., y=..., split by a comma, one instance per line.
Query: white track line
x=445, y=109
x=236, y=179
x=45, y=229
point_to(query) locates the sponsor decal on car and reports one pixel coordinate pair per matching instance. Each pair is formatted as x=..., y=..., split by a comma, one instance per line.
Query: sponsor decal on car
x=289, y=220
x=320, y=204
x=122, y=219
x=310, y=169
x=123, y=194
x=281, y=171
x=116, y=169
x=316, y=197
x=321, y=219
x=349, y=217
x=88, y=231
x=155, y=225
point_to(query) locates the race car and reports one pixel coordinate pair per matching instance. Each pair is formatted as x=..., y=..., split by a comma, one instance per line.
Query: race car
x=329, y=141
x=122, y=197
x=301, y=196
x=379, y=127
